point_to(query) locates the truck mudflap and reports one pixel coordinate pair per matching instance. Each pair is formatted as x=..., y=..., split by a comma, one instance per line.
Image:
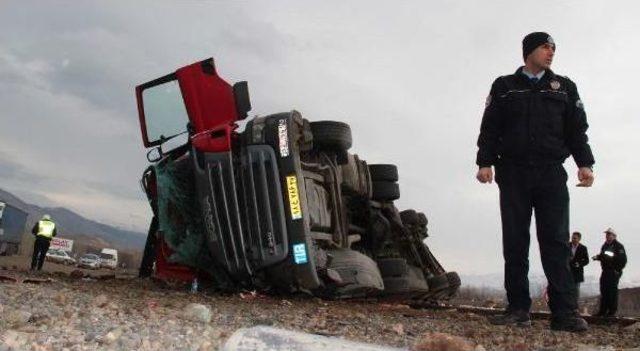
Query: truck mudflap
x=243, y=211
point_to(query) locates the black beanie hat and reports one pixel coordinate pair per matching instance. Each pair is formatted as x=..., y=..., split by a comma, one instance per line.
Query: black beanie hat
x=533, y=40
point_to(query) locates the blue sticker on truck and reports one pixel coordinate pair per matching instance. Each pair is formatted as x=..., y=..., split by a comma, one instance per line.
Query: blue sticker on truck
x=300, y=254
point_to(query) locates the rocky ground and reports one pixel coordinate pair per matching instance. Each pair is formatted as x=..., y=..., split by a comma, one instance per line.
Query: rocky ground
x=123, y=313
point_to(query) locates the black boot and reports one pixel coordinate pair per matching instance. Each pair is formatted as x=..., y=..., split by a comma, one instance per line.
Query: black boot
x=569, y=322
x=517, y=318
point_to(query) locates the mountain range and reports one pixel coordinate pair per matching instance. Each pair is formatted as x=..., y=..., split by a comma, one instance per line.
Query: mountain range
x=74, y=226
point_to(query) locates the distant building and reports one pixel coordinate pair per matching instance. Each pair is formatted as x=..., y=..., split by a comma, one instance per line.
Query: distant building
x=12, y=222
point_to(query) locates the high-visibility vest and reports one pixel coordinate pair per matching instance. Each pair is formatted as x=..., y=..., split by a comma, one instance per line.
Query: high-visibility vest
x=45, y=229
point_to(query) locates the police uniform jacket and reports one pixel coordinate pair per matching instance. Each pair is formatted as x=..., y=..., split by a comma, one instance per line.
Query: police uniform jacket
x=36, y=229
x=612, y=256
x=528, y=123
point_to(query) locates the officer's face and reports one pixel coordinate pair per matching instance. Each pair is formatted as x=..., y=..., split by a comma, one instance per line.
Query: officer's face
x=542, y=56
x=575, y=239
x=610, y=237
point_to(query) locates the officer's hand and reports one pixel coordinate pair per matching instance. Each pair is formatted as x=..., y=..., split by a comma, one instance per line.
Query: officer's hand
x=485, y=175
x=585, y=175
x=595, y=258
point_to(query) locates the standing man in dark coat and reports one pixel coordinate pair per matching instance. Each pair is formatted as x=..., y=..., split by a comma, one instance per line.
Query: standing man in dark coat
x=533, y=120
x=44, y=230
x=612, y=259
x=579, y=259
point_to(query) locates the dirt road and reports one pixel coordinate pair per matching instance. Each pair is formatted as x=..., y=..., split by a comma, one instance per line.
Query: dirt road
x=88, y=314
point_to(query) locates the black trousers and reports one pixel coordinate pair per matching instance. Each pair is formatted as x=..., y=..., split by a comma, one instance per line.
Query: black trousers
x=40, y=248
x=542, y=189
x=609, y=280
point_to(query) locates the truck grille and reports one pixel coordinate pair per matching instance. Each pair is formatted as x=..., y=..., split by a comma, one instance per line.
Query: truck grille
x=245, y=222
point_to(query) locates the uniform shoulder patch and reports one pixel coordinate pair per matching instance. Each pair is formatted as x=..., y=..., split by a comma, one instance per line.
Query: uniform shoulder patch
x=579, y=104
x=487, y=101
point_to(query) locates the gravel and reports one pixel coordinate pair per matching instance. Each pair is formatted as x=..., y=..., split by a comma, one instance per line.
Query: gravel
x=117, y=314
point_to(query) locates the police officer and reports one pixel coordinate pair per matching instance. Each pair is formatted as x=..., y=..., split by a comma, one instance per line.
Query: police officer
x=44, y=230
x=533, y=120
x=612, y=259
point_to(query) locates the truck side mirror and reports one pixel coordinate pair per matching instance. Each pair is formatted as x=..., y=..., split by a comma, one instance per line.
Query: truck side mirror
x=241, y=96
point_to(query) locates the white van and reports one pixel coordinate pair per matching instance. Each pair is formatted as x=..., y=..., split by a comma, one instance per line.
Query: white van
x=109, y=258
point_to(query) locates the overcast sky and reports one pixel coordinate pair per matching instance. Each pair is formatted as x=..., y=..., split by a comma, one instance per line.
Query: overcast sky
x=410, y=77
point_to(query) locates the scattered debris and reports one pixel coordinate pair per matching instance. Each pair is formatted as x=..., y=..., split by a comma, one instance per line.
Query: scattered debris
x=275, y=339
x=398, y=328
x=100, y=301
x=251, y=295
x=197, y=313
x=60, y=298
x=112, y=336
x=17, y=318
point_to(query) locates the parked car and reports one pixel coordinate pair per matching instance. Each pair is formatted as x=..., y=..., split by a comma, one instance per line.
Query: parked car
x=91, y=261
x=109, y=258
x=59, y=256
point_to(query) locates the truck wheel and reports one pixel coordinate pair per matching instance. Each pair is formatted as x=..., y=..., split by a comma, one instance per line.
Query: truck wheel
x=359, y=273
x=331, y=135
x=383, y=172
x=385, y=191
x=392, y=267
x=409, y=217
x=438, y=283
x=422, y=219
x=454, y=283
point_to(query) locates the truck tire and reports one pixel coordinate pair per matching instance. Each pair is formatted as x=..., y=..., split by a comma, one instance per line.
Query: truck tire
x=331, y=135
x=382, y=172
x=385, y=191
x=359, y=273
x=392, y=267
x=438, y=283
x=454, y=283
x=409, y=217
x=411, y=283
x=422, y=219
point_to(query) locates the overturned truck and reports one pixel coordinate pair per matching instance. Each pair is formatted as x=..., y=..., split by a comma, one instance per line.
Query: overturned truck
x=280, y=205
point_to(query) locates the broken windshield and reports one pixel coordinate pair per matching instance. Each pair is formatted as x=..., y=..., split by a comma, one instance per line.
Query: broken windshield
x=164, y=111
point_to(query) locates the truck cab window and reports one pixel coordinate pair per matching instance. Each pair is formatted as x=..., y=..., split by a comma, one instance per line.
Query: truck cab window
x=164, y=110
